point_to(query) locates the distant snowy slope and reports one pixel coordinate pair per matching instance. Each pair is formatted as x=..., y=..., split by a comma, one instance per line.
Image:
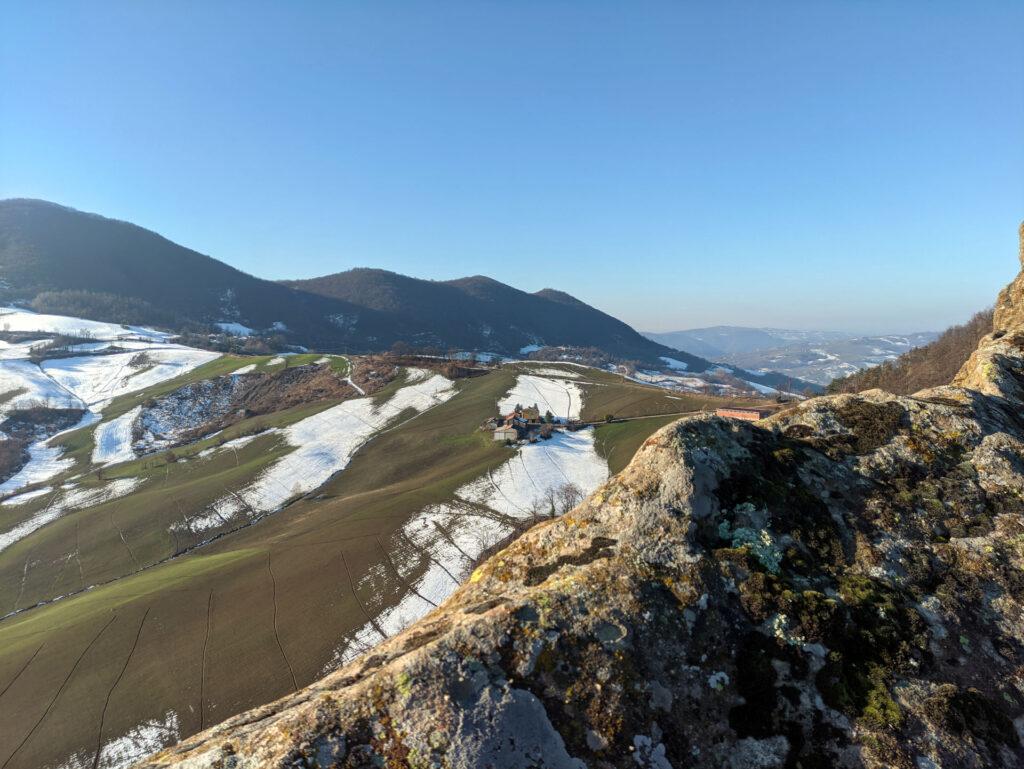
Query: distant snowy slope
x=98, y=379
x=811, y=356
x=13, y=319
x=562, y=397
x=87, y=382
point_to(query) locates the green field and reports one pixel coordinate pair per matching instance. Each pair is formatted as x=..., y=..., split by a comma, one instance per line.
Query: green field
x=187, y=637
x=617, y=442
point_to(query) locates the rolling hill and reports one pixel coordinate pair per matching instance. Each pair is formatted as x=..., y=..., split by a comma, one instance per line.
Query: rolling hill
x=481, y=313
x=56, y=256
x=140, y=602
x=63, y=261
x=814, y=356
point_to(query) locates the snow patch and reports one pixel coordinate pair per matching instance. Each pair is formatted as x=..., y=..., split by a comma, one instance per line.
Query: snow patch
x=555, y=372
x=138, y=742
x=113, y=439
x=672, y=363
x=34, y=388
x=98, y=379
x=323, y=445
x=519, y=487
x=15, y=319
x=561, y=397
x=28, y=496
x=45, y=461
x=763, y=389
x=73, y=499
x=234, y=329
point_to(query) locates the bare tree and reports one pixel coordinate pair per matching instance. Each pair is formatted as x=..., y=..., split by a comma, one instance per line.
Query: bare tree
x=568, y=495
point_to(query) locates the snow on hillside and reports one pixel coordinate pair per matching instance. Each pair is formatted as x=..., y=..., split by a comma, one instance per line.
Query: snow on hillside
x=87, y=382
x=234, y=329
x=672, y=363
x=32, y=387
x=141, y=740
x=518, y=488
x=113, y=439
x=445, y=539
x=65, y=501
x=323, y=444
x=45, y=461
x=561, y=397
x=670, y=381
x=98, y=379
x=763, y=389
x=15, y=319
x=554, y=372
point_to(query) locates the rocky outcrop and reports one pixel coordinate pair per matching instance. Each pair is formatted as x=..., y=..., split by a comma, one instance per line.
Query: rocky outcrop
x=840, y=585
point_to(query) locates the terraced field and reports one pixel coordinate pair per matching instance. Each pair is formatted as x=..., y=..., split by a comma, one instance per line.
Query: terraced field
x=151, y=597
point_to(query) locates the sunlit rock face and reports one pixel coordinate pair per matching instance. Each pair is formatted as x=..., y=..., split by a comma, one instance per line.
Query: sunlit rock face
x=840, y=585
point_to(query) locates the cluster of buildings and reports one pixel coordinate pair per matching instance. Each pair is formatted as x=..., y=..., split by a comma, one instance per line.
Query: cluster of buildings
x=525, y=423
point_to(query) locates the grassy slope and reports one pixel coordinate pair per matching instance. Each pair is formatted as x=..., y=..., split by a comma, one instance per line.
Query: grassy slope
x=304, y=554
x=257, y=613
x=617, y=442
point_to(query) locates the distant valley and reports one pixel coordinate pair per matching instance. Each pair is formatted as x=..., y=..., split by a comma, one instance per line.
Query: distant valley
x=812, y=356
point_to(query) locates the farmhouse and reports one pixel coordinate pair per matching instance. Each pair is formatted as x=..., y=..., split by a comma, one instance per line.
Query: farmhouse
x=520, y=423
x=749, y=415
x=530, y=413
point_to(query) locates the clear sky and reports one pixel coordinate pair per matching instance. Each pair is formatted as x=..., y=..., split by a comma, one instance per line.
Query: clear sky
x=845, y=165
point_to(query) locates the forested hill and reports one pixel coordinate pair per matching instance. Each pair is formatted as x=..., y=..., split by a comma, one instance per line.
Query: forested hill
x=933, y=365
x=65, y=261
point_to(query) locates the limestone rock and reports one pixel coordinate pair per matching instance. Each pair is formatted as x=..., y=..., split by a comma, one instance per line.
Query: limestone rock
x=841, y=585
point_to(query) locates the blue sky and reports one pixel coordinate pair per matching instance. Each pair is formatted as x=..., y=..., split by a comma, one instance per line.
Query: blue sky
x=850, y=165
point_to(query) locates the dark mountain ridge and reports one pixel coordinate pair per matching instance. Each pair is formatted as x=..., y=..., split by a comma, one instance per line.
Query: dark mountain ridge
x=482, y=313
x=61, y=260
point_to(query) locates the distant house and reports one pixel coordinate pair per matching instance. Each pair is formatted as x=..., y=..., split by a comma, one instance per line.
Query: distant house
x=748, y=415
x=506, y=433
x=530, y=413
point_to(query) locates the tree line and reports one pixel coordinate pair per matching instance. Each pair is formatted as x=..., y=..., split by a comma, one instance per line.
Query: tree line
x=932, y=365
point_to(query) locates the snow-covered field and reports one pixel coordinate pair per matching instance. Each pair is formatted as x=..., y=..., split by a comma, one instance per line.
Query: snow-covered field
x=16, y=319
x=98, y=379
x=45, y=461
x=87, y=382
x=235, y=329
x=145, y=738
x=670, y=381
x=556, y=372
x=519, y=486
x=443, y=541
x=323, y=444
x=64, y=501
x=675, y=365
x=32, y=387
x=562, y=397
x=113, y=439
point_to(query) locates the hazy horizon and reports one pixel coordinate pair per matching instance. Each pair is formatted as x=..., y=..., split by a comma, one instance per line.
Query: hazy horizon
x=804, y=166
